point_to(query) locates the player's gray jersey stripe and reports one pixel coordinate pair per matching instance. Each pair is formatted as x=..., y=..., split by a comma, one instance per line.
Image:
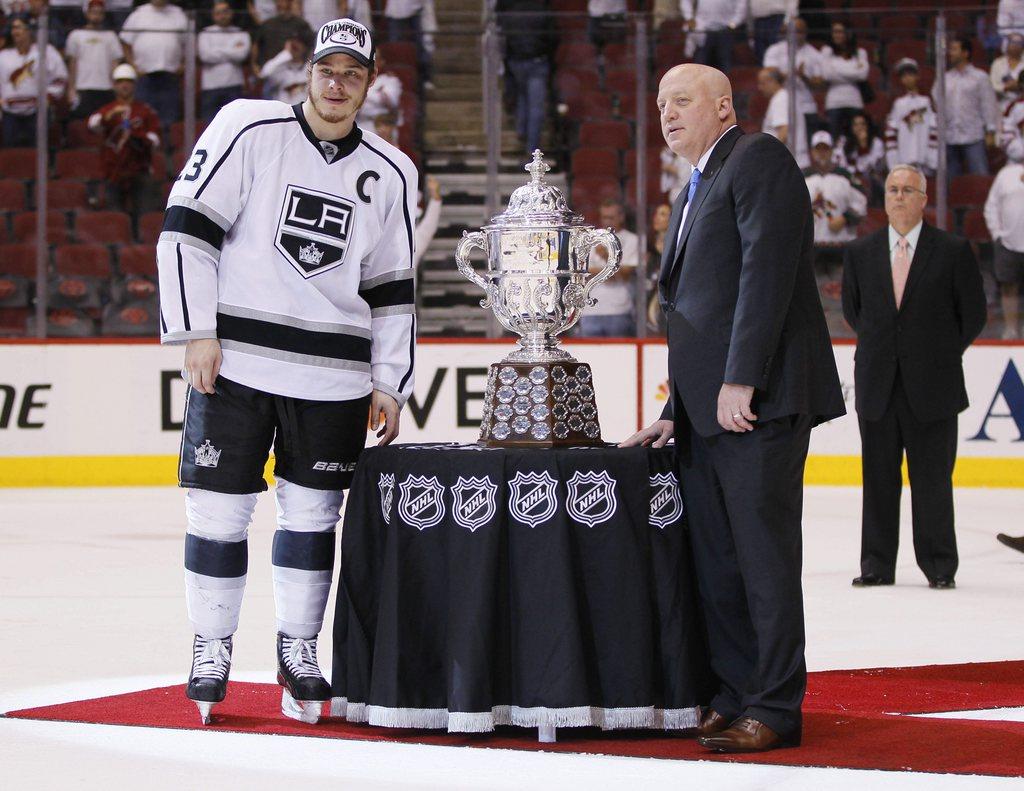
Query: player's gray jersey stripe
x=175, y=237
x=387, y=277
x=202, y=208
x=295, y=357
x=392, y=310
x=291, y=321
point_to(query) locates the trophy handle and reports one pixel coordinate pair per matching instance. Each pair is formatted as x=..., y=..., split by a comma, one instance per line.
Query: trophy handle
x=592, y=239
x=468, y=242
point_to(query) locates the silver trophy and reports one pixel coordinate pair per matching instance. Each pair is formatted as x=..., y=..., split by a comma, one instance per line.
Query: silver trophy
x=538, y=283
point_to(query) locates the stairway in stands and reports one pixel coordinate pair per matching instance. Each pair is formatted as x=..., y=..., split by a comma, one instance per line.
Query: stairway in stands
x=454, y=152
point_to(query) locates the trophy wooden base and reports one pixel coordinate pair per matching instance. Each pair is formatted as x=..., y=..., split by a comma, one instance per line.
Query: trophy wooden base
x=540, y=405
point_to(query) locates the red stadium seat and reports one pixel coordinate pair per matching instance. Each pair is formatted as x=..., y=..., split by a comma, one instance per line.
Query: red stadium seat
x=18, y=259
x=79, y=163
x=654, y=193
x=602, y=162
x=150, y=224
x=591, y=105
x=578, y=54
x=620, y=56
x=744, y=79
x=970, y=190
x=621, y=81
x=743, y=55
x=906, y=48
x=81, y=136
x=12, y=195
x=605, y=134
x=86, y=260
x=103, y=227
x=975, y=227
x=652, y=158
x=137, y=259
x=594, y=189
x=66, y=194
x=176, y=137
x=12, y=320
x=24, y=227
x=18, y=163
x=901, y=25
x=398, y=52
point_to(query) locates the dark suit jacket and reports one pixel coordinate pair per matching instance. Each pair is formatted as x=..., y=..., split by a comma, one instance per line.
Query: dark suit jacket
x=739, y=292
x=942, y=312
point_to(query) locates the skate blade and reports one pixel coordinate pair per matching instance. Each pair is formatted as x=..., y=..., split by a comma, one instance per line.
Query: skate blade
x=307, y=711
x=204, y=710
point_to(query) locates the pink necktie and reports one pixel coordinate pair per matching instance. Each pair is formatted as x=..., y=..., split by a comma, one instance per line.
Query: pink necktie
x=900, y=269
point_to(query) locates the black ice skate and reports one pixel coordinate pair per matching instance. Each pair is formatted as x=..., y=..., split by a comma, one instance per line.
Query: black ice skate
x=305, y=688
x=208, y=681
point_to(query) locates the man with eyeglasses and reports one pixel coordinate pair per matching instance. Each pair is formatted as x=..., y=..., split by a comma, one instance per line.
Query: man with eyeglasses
x=913, y=295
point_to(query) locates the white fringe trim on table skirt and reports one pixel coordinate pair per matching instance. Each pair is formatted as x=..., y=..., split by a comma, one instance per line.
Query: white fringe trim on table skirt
x=482, y=722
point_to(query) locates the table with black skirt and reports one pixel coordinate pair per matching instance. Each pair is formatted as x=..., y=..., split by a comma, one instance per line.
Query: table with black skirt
x=541, y=588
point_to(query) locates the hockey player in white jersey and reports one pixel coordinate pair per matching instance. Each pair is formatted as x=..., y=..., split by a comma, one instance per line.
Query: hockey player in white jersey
x=286, y=266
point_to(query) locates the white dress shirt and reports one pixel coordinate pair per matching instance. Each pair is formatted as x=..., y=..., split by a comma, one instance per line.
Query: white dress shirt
x=156, y=37
x=777, y=116
x=777, y=57
x=971, y=108
x=714, y=14
x=1004, y=208
x=912, y=238
x=842, y=75
x=702, y=164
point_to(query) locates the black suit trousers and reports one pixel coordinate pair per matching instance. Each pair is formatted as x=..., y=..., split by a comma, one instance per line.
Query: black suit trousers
x=931, y=453
x=744, y=496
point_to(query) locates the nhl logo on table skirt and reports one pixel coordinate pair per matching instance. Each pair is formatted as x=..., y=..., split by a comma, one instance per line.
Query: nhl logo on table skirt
x=386, y=484
x=474, y=502
x=666, y=501
x=591, y=497
x=532, y=497
x=313, y=230
x=420, y=501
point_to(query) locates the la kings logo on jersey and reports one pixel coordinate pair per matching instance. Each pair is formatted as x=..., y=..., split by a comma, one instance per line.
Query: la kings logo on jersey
x=314, y=230
x=591, y=498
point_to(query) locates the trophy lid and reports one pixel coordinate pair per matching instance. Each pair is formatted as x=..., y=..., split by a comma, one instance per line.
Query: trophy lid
x=536, y=202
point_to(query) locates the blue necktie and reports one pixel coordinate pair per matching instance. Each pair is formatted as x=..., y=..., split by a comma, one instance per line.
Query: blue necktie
x=694, y=183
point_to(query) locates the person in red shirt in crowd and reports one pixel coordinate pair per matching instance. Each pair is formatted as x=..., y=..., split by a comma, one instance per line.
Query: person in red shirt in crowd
x=131, y=132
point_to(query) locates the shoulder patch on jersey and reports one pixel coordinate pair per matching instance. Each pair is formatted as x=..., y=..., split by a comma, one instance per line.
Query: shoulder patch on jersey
x=313, y=230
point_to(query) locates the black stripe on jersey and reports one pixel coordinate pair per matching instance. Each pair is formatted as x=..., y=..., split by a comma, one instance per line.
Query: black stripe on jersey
x=181, y=287
x=181, y=219
x=227, y=152
x=308, y=551
x=405, y=197
x=224, y=559
x=397, y=292
x=337, y=346
x=412, y=355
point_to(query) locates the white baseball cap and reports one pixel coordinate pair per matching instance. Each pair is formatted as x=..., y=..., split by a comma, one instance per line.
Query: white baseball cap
x=123, y=72
x=821, y=138
x=348, y=37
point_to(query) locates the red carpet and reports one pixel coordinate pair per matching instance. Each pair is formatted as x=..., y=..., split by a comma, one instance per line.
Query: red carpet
x=852, y=720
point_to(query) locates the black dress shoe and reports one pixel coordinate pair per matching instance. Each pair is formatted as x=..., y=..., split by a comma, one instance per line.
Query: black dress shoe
x=1013, y=542
x=942, y=583
x=871, y=580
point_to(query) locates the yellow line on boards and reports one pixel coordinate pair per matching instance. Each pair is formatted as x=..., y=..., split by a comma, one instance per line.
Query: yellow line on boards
x=163, y=470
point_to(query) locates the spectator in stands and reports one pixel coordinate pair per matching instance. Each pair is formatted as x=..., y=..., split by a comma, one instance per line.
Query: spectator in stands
x=972, y=115
x=837, y=202
x=384, y=97
x=1006, y=70
x=153, y=38
x=222, y=48
x=776, y=118
x=612, y=316
x=844, y=68
x=660, y=218
x=1012, y=130
x=57, y=34
x=261, y=10
x=415, y=21
x=385, y=126
x=529, y=43
x=271, y=35
x=712, y=26
x=911, y=134
x=769, y=17
x=319, y=12
x=131, y=130
x=430, y=217
x=808, y=70
x=1010, y=17
x=92, y=53
x=862, y=152
x=675, y=173
x=606, y=22
x=284, y=75
x=18, y=84
x=1004, y=216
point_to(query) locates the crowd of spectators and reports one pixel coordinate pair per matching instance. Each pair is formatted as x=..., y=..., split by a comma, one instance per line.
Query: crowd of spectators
x=115, y=109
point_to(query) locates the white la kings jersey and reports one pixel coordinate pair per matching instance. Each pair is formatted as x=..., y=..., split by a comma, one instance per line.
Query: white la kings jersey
x=297, y=254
